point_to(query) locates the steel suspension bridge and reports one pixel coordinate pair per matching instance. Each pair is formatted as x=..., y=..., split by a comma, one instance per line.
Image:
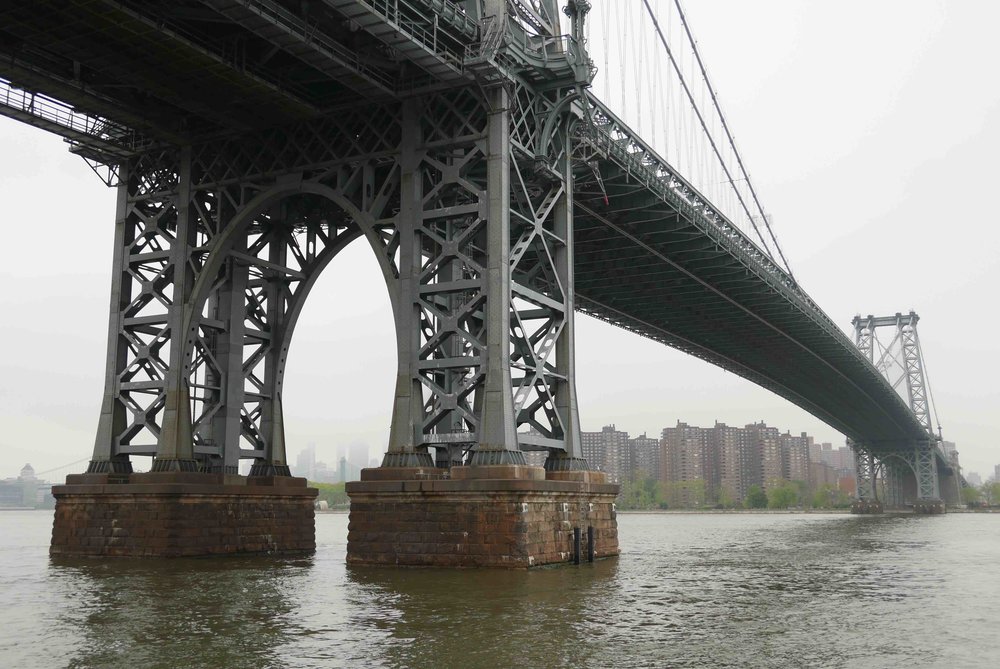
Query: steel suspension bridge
x=417, y=125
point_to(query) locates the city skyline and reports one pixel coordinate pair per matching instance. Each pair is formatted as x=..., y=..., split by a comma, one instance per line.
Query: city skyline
x=726, y=460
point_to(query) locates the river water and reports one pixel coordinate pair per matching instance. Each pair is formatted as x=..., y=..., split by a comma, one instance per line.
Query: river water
x=688, y=591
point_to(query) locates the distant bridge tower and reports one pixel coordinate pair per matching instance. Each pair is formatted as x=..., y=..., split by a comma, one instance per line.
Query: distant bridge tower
x=900, y=360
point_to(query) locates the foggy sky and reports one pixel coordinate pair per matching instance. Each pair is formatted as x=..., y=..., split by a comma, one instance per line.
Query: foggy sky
x=871, y=130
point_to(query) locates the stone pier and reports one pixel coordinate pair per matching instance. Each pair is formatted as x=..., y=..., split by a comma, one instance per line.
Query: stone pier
x=928, y=506
x=510, y=516
x=866, y=507
x=180, y=514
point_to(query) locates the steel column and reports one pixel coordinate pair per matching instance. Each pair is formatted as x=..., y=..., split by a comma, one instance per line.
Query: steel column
x=497, y=442
x=114, y=418
x=893, y=472
x=925, y=467
x=405, y=431
x=565, y=391
x=864, y=467
x=229, y=308
x=175, y=446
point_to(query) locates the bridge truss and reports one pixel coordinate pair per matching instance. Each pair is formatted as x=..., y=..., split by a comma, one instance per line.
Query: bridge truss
x=251, y=140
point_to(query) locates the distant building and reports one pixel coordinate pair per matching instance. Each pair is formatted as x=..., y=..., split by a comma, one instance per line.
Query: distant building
x=822, y=474
x=305, y=463
x=604, y=450
x=12, y=494
x=26, y=491
x=974, y=479
x=847, y=485
x=721, y=463
x=996, y=473
x=951, y=452
x=841, y=459
x=533, y=458
x=323, y=473
x=357, y=455
x=348, y=471
x=594, y=451
x=685, y=465
x=642, y=458
x=765, y=443
x=816, y=450
x=736, y=468
x=795, y=457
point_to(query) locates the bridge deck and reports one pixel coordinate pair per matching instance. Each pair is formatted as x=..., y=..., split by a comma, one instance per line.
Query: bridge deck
x=658, y=260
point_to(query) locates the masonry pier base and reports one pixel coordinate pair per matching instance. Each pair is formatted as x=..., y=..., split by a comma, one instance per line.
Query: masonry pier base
x=929, y=507
x=509, y=516
x=866, y=507
x=182, y=514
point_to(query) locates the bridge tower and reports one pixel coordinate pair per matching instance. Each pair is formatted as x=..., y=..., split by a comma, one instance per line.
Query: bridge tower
x=465, y=195
x=917, y=473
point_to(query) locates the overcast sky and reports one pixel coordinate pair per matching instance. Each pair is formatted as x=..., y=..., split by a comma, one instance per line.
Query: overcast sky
x=871, y=130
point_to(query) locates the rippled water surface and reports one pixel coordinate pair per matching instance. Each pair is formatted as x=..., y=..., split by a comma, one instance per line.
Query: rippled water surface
x=688, y=590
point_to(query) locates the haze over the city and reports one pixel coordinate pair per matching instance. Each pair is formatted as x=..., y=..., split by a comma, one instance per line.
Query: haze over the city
x=876, y=159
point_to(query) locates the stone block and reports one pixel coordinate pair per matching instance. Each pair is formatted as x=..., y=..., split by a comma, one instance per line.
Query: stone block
x=498, y=472
x=159, y=478
x=277, y=481
x=581, y=476
x=401, y=473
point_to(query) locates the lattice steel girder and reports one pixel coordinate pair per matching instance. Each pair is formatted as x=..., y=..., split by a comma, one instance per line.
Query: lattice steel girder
x=220, y=245
x=924, y=464
x=920, y=459
x=893, y=473
x=181, y=71
x=865, y=472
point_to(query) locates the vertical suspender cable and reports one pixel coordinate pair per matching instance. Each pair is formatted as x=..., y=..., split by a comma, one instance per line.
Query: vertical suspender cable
x=605, y=29
x=701, y=120
x=732, y=142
